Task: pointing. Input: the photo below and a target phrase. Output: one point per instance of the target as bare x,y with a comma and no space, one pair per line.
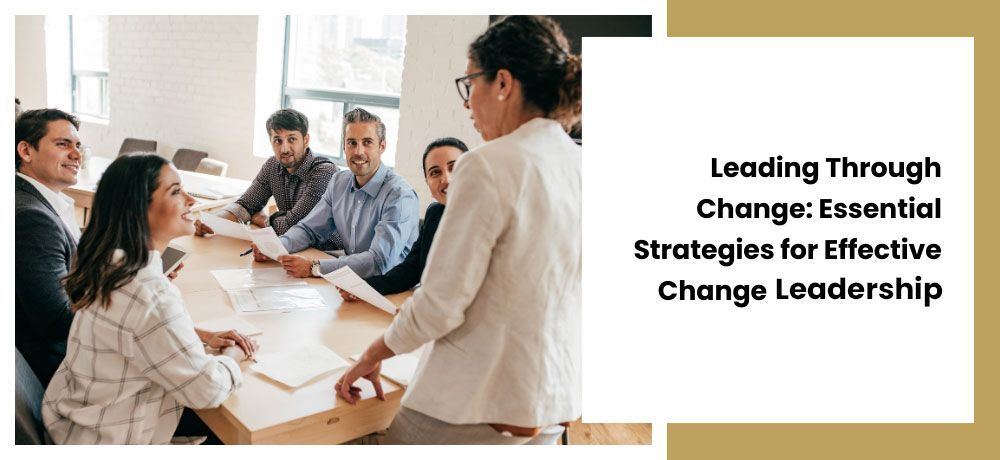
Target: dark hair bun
536,52
570,93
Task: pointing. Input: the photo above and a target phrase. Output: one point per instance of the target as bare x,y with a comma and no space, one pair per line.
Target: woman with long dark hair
501,300
133,358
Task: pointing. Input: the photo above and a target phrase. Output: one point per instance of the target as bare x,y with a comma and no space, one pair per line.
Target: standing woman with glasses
133,359
501,301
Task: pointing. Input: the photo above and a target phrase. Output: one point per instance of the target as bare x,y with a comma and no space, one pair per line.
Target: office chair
28,392
187,159
132,145
213,167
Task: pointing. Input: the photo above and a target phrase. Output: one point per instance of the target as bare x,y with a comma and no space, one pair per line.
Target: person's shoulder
434,209
24,201
538,135
270,164
25,196
479,161
323,169
142,304
342,175
397,182
153,289
30,210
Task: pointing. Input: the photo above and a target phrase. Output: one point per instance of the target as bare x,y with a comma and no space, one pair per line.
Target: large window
336,63
89,65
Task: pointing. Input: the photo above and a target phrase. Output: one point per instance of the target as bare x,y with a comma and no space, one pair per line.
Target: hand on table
173,274
201,229
231,338
347,295
237,353
367,369
296,266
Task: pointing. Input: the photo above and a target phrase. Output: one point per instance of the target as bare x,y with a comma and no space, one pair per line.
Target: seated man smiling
294,176
370,210
439,160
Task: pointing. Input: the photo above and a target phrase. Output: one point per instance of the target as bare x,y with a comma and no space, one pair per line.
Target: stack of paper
346,279
276,298
242,278
265,289
293,368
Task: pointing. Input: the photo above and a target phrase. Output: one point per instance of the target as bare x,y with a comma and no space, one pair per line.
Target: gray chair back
28,392
187,159
131,145
213,167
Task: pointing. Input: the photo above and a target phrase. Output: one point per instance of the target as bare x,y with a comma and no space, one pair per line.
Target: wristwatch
315,269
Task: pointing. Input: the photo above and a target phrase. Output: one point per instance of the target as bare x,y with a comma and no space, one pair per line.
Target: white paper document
293,368
399,368
346,279
245,278
228,323
260,299
268,243
223,227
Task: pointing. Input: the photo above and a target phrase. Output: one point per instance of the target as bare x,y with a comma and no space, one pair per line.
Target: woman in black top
439,160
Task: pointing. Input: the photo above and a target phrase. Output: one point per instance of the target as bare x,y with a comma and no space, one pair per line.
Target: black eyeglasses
464,84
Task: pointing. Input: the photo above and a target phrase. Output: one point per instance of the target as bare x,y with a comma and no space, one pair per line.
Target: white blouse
130,369
500,296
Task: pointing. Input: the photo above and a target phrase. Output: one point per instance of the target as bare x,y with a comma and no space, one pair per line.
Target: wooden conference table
83,191
263,411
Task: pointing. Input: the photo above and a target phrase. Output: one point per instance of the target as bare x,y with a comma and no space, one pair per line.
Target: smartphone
172,256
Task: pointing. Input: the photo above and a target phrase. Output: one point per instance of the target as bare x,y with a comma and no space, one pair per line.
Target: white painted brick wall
184,81
29,58
189,82
429,104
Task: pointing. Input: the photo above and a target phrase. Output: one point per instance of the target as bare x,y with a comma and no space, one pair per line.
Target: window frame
75,75
348,98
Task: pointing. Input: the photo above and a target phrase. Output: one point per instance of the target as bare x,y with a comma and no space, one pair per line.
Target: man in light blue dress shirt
373,211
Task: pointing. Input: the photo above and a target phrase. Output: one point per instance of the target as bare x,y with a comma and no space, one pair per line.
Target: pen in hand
248,251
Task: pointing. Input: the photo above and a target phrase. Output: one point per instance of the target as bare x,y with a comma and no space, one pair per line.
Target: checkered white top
131,368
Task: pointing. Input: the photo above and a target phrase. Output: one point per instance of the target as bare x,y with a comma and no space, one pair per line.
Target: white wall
270,59
187,82
184,81
195,82
430,107
29,58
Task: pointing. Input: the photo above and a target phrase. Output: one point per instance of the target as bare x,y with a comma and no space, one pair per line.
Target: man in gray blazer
47,160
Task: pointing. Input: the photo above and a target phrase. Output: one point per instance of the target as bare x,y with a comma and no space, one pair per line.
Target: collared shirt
64,205
376,224
131,368
295,193
500,296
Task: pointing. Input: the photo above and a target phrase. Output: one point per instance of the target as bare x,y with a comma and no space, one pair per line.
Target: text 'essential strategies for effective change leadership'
731,211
